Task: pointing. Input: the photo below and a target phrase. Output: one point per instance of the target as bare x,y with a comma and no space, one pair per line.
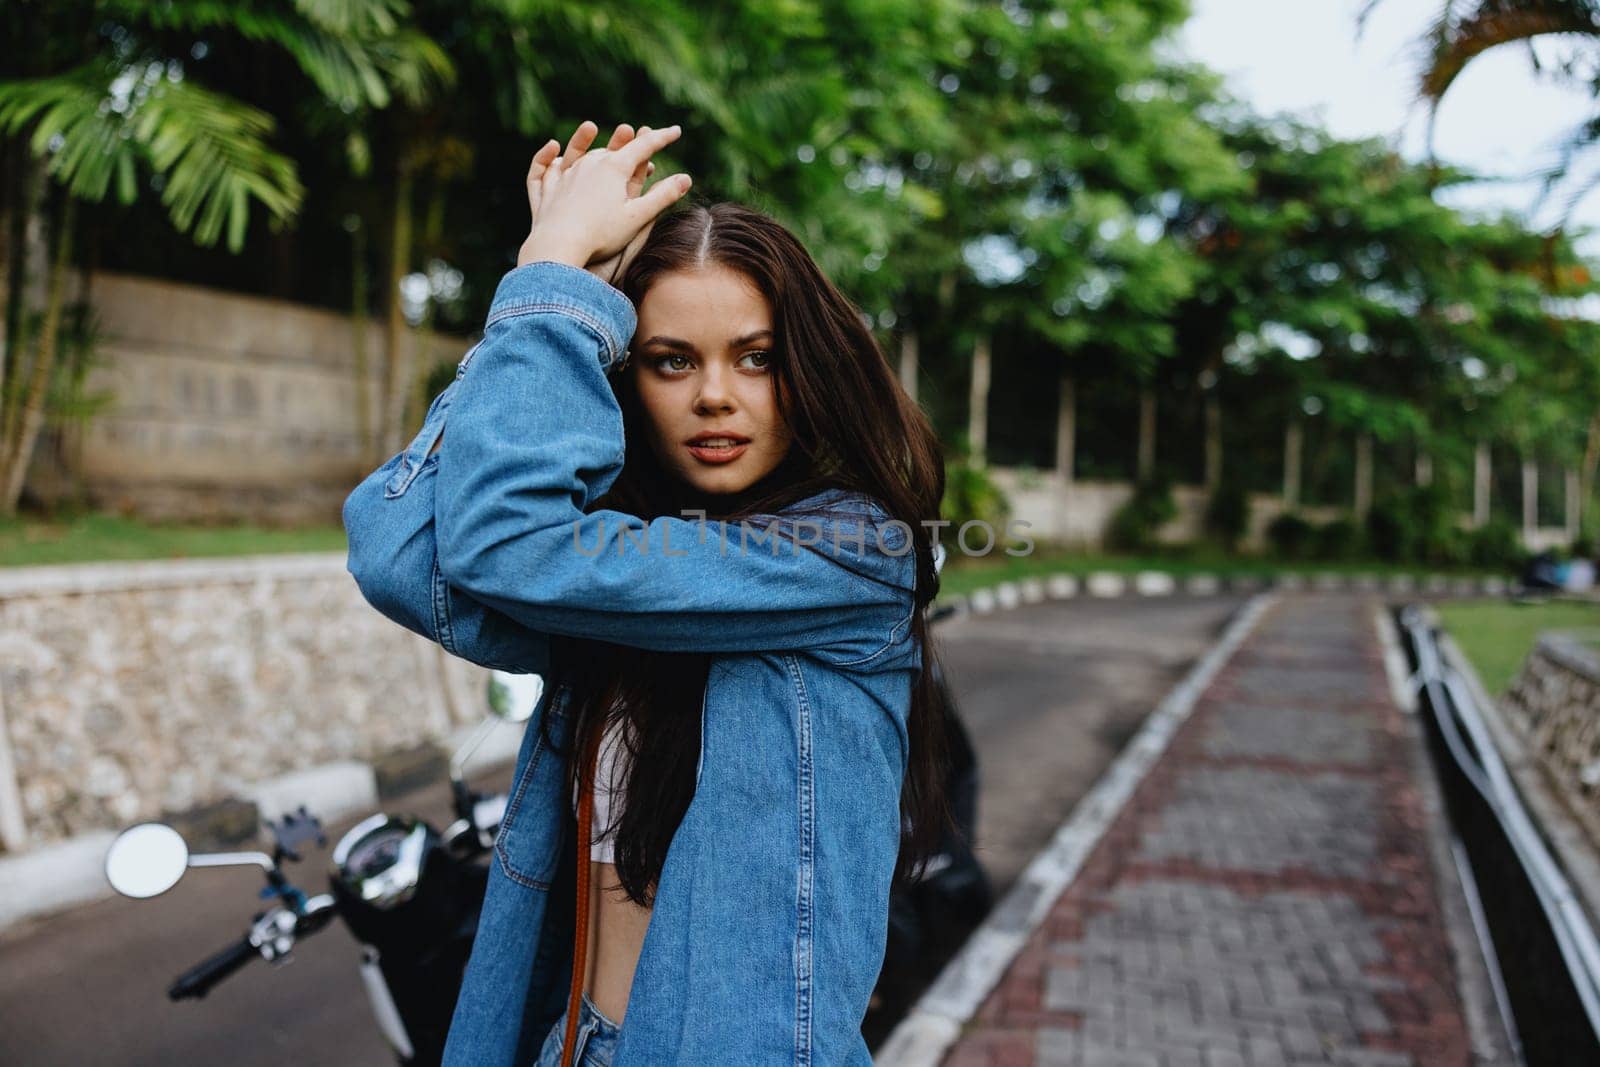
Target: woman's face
700,361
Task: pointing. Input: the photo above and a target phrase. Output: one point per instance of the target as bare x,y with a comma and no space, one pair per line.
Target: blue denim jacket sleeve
388,521
535,434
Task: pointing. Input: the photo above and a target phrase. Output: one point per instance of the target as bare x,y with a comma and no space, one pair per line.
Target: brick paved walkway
1265,899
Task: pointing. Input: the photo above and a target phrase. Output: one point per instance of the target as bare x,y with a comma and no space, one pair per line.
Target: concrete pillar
1363,495
908,363
1424,469
1066,426
1574,502
1293,446
1213,440
1480,484
1530,499
1147,433
978,402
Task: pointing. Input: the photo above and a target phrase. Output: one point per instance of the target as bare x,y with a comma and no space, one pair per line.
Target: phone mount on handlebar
293,830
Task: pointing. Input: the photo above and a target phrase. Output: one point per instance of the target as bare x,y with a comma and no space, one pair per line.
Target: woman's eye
666,362
762,356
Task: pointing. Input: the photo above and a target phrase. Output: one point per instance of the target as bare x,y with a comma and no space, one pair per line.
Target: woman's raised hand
590,209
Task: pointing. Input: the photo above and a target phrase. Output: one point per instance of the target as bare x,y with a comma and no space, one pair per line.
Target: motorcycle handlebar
198,980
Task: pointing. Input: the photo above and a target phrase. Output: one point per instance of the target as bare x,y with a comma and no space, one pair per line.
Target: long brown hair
854,428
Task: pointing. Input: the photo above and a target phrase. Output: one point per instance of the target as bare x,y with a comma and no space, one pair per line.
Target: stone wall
1555,703
127,690
223,406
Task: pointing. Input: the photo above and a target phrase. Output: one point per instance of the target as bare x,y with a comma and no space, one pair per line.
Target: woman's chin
719,483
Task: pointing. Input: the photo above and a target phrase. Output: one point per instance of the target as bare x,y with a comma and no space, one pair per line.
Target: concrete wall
223,406
1078,513
1555,704
127,690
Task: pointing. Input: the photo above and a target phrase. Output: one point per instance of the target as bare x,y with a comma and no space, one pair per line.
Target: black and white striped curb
1157,583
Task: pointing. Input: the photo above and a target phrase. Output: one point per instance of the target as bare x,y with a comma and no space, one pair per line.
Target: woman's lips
708,454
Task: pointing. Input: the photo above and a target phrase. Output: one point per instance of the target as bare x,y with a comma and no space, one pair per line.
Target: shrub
971,494
1416,524
1133,528
1290,535
1337,539
1497,543
1228,514
1390,532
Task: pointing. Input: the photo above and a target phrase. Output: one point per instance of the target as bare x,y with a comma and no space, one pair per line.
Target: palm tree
1464,31
126,120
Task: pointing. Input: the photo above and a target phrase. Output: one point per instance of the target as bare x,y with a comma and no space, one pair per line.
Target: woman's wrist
534,250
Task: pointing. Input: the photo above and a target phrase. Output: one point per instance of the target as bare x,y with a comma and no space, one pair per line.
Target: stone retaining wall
128,690
1555,703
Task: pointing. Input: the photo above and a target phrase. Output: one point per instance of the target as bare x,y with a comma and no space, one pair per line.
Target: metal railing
1541,939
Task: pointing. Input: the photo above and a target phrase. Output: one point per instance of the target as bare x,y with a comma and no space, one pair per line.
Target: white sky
1303,56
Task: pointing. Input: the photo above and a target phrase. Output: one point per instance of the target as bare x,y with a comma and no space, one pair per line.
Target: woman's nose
714,394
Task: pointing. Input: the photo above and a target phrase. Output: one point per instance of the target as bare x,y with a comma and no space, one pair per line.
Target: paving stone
1241,911
1308,734
1322,823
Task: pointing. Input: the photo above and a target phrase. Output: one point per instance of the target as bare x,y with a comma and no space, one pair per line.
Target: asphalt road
1049,692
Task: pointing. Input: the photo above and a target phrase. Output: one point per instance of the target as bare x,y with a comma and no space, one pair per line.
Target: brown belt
580,940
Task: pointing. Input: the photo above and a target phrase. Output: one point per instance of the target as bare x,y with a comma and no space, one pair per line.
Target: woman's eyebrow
737,342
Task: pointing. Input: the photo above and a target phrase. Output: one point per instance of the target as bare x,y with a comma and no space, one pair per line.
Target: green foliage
1290,535
1136,523
971,494
1416,524
1498,544
1045,168
110,123
1337,539
1228,514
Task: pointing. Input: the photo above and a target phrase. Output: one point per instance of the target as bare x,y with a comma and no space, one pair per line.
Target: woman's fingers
662,195
620,136
536,169
542,158
582,138
646,144
641,172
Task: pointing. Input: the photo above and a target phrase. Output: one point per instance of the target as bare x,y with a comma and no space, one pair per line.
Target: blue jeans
595,1044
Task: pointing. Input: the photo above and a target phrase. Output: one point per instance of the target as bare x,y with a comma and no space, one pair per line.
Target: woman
758,674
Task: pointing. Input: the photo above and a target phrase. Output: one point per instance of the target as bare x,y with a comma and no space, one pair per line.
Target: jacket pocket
417,453
534,825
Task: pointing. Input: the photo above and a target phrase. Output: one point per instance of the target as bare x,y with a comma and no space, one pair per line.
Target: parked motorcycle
931,913
409,893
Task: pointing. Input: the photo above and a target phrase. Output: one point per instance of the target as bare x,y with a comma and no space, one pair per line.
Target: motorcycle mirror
512,697
146,860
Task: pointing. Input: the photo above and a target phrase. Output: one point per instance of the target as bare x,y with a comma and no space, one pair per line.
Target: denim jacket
770,915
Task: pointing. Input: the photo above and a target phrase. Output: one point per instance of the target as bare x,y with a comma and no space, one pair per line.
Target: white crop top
610,777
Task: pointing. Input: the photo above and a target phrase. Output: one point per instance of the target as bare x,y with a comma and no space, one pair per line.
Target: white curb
1105,584
1062,586
1154,583
53,877
329,790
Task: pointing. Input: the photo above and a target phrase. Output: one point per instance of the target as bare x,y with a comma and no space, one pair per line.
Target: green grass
1497,636
31,541
962,574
